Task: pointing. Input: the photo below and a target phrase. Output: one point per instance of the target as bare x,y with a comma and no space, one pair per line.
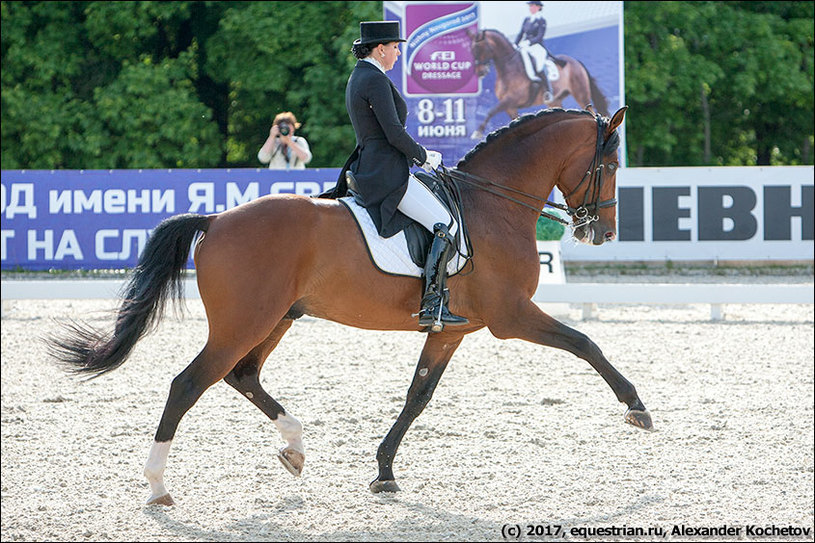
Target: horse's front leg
503,105
437,351
527,321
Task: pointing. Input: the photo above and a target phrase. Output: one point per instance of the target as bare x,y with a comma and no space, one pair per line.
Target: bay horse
513,88
267,262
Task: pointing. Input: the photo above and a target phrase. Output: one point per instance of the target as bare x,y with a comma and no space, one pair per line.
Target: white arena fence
586,294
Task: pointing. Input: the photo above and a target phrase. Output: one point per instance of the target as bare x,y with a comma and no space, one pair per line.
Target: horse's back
258,234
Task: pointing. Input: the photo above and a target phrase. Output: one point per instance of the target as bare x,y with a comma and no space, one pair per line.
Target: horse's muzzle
590,235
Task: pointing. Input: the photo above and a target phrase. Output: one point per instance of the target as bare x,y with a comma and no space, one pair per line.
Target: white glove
433,161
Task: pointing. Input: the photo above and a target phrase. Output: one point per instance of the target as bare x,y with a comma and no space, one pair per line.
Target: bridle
479,62
581,215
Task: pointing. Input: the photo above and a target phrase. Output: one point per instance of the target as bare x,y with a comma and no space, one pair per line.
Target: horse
513,88
265,263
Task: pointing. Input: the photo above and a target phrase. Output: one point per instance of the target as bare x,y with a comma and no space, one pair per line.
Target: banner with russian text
100,219
461,57
92,219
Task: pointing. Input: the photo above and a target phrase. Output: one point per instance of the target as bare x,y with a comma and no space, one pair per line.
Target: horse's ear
616,120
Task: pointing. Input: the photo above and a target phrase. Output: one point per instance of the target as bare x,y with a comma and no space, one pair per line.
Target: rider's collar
376,63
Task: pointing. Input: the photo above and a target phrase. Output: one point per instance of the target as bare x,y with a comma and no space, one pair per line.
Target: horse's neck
528,158
503,48
529,182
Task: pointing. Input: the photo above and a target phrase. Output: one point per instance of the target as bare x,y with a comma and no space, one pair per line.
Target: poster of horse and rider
468,68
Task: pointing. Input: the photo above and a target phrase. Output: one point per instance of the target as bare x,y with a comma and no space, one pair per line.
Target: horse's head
482,51
591,194
576,151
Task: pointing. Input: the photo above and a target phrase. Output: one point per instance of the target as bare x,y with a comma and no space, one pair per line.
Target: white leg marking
154,468
291,430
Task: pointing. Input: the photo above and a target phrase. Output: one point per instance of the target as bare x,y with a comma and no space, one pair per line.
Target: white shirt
289,160
376,63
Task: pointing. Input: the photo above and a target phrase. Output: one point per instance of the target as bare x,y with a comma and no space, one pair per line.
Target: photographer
283,150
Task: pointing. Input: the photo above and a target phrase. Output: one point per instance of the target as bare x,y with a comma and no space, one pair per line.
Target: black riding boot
547,90
434,312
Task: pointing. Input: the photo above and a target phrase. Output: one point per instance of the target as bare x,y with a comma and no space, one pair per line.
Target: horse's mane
552,115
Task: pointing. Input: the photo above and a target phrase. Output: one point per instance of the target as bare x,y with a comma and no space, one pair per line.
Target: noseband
583,214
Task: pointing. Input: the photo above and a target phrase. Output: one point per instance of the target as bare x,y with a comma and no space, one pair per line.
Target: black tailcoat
532,29
385,151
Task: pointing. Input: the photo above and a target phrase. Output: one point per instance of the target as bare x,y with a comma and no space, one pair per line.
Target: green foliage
719,83
548,230
91,84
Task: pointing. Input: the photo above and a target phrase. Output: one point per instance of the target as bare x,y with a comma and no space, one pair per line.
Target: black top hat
378,32
540,4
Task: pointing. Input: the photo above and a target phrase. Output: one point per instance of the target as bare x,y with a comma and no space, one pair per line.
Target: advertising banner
709,214
100,219
461,58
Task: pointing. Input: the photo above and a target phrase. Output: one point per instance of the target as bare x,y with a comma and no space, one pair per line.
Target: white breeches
534,57
421,205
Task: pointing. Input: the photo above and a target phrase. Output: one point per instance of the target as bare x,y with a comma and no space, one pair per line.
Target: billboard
463,75
101,219
738,213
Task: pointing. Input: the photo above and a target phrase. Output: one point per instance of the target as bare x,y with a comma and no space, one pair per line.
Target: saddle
417,237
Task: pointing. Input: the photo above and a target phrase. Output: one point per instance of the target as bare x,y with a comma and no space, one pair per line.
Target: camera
284,129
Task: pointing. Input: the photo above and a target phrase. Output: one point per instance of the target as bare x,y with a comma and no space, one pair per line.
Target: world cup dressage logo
437,54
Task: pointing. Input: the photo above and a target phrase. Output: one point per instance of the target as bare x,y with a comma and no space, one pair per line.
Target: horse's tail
598,99
156,279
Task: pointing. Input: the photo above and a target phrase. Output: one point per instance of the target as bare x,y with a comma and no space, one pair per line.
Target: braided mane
554,114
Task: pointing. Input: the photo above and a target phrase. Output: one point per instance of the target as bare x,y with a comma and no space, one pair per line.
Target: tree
282,56
172,84
196,84
706,93
102,85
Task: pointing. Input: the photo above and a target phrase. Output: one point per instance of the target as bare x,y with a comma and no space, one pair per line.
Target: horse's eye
612,166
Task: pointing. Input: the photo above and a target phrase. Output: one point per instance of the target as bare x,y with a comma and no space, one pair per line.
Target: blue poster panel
101,219
467,68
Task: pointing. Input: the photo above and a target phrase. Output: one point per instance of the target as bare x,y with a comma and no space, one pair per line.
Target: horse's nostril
610,236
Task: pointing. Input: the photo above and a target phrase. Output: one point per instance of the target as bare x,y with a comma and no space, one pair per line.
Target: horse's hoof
640,418
166,499
384,486
292,460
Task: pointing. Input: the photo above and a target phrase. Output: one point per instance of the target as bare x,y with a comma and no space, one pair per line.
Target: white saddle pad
390,255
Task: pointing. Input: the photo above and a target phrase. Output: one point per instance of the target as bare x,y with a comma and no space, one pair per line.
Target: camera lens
284,129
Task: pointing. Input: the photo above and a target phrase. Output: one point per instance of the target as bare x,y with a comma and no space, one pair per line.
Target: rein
582,214
478,62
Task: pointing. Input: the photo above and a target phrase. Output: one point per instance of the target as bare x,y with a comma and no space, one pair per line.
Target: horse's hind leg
209,367
527,321
245,378
437,351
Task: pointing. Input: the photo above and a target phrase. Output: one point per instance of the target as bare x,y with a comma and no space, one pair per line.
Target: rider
381,164
530,44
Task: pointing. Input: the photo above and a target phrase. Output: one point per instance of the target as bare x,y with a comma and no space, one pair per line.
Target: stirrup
434,313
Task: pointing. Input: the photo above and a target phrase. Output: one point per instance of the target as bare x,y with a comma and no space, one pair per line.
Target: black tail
598,99
156,279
